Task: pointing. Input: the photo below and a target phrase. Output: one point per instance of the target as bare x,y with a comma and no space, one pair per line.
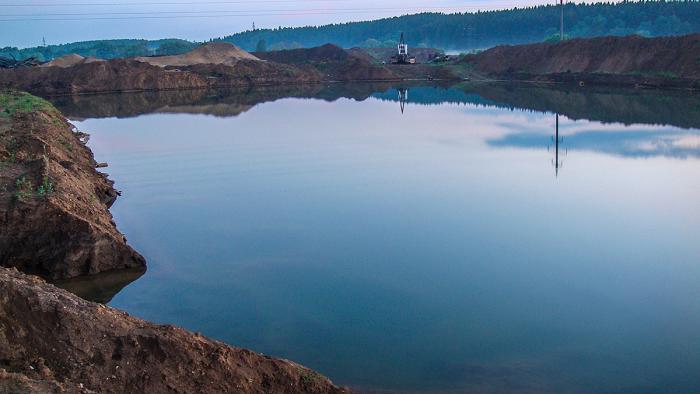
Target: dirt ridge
54,204
632,60
53,341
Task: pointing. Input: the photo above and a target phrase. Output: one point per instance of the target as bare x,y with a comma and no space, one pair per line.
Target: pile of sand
212,53
71,60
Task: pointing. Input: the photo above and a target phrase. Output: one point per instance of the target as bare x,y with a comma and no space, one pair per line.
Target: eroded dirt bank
631,60
54,204
51,340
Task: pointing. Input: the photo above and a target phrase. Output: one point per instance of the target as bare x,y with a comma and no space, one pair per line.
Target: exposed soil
211,53
54,204
53,341
334,63
71,60
328,53
211,66
654,62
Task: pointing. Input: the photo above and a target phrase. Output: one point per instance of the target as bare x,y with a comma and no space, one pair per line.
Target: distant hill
461,31
464,31
103,49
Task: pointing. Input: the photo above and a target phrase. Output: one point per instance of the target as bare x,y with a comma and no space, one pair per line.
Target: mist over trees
488,28
461,31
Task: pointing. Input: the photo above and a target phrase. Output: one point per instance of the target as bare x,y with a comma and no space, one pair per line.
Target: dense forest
460,31
476,30
103,49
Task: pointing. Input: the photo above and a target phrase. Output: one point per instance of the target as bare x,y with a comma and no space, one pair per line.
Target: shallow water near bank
420,239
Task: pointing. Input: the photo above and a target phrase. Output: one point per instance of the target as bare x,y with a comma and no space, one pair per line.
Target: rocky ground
54,204
54,341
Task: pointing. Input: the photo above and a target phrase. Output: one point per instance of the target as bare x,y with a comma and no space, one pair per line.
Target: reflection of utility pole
557,162
403,98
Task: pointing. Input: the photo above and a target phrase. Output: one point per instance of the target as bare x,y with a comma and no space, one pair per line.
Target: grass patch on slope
12,103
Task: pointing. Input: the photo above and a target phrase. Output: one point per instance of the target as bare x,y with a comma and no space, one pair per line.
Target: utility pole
43,41
561,33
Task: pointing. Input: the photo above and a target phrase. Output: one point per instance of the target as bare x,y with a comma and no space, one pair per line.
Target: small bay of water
428,239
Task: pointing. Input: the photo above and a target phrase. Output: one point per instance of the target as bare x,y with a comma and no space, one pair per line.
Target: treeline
460,31
464,31
103,49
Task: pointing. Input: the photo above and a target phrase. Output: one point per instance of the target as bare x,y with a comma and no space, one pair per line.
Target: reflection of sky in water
630,141
419,251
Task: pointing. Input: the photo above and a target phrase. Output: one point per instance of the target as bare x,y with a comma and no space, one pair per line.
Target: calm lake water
439,249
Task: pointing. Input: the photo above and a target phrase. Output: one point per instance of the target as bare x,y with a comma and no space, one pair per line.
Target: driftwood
6,62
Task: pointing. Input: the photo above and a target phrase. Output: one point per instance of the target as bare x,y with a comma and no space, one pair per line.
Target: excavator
403,57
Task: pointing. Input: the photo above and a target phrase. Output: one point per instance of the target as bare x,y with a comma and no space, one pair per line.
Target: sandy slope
212,53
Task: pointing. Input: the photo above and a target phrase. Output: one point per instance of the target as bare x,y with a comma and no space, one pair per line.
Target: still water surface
444,248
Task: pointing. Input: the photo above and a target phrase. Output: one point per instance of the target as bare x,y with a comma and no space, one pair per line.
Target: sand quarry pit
212,53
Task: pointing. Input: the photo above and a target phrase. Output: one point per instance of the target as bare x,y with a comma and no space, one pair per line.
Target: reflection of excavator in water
403,98
403,57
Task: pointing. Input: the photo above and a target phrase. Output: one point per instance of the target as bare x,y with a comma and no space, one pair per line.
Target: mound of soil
71,60
123,75
211,53
54,204
665,57
51,340
334,63
328,53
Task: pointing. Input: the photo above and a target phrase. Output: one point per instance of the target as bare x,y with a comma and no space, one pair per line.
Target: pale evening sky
24,23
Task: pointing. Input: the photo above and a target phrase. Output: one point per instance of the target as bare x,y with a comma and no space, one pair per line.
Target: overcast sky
24,23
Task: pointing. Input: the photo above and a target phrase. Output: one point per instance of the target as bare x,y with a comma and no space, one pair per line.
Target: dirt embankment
334,63
54,204
51,340
123,75
212,66
662,61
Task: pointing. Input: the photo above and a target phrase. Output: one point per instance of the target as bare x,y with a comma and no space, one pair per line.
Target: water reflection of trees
680,109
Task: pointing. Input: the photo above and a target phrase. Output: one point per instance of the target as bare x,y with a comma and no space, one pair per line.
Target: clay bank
55,222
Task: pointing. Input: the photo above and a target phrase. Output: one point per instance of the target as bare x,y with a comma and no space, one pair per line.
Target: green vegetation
12,103
25,189
66,144
310,377
45,188
464,31
262,46
103,49
666,74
